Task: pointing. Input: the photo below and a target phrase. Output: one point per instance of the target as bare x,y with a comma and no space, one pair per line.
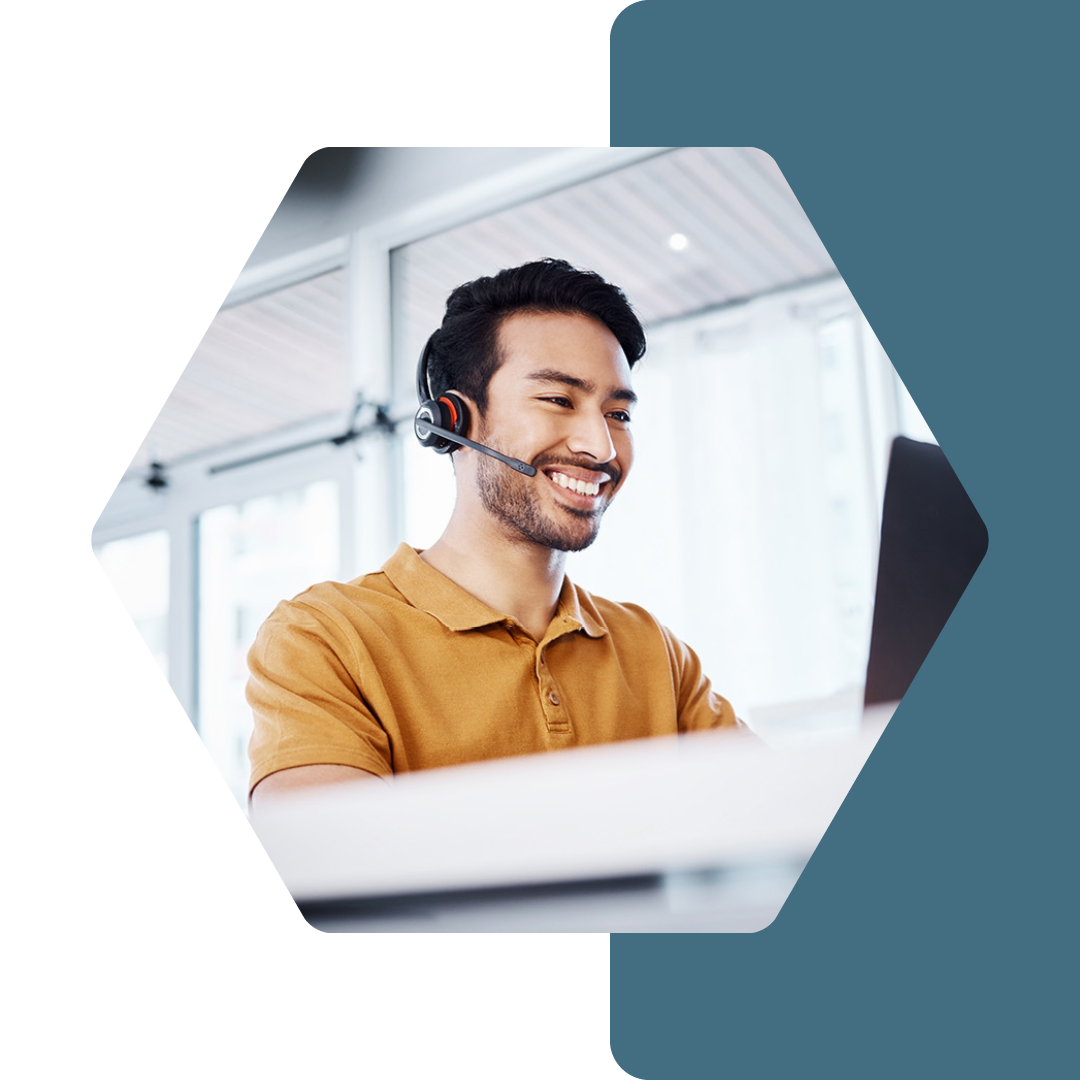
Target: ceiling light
678,242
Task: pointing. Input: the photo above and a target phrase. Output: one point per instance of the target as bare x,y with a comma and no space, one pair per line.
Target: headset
441,423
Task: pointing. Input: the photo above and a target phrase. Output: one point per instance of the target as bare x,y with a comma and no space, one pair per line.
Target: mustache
613,472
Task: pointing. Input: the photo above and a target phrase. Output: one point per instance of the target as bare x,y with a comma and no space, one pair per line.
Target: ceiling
282,360
263,366
745,234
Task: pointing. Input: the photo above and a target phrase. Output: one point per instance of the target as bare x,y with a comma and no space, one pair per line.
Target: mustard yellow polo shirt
404,670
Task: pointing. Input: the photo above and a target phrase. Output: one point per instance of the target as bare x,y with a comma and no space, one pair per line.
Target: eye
621,415
562,402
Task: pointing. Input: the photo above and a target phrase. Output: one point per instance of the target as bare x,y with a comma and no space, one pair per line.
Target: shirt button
553,698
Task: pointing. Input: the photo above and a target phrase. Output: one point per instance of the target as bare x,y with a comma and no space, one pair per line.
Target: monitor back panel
932,541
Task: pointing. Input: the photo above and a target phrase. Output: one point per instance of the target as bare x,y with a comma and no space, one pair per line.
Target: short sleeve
308,707
699,706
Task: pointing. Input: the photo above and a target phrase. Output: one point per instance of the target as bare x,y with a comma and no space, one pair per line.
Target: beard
516,502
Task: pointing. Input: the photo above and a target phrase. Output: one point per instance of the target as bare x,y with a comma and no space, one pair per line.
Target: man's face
561,401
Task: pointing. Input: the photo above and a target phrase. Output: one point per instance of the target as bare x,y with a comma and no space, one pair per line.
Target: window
750,523
251,556
242,525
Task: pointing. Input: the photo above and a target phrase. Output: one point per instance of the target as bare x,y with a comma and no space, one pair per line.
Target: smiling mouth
589,489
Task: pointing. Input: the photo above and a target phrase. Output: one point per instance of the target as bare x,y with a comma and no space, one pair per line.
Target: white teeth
582,487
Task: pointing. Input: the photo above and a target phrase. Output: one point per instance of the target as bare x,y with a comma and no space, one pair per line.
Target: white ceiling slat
713,196
683,215
659,282
269,364
655,226
675,281
760,225
609,245
249,350
762,182
713,235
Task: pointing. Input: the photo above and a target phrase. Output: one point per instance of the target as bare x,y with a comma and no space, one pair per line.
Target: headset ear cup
449,413
458,414
432,413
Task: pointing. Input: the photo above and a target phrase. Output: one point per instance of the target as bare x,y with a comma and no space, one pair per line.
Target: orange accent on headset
453,412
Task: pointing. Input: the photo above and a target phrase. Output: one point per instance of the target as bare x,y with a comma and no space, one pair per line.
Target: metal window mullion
375,496
181,522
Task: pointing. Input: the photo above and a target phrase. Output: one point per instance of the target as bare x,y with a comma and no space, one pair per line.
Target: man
480,647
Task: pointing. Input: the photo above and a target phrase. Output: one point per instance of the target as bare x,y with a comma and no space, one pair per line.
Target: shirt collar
577,611
428,590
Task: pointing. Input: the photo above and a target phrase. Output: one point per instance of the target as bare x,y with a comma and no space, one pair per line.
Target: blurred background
285,454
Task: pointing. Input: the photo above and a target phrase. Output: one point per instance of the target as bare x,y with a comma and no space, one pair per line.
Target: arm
700,707
312,723
304,777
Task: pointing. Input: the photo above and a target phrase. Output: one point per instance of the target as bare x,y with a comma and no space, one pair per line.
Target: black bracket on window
156,479
382,423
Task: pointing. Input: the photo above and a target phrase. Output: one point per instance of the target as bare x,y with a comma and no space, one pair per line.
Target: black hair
464,350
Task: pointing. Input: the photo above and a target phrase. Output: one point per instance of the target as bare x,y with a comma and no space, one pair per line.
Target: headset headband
423,387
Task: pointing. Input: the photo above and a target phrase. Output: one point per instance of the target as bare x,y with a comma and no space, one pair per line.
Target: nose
591,436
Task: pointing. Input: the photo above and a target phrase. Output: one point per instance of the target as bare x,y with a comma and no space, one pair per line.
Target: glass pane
252,555
138,569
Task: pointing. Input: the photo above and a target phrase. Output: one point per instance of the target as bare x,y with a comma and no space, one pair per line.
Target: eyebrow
550,375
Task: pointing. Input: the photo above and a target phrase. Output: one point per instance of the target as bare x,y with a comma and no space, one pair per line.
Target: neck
518,578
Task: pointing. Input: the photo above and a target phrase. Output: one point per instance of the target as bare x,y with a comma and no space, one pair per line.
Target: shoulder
370,590
621,614
631,626
333,609
617,617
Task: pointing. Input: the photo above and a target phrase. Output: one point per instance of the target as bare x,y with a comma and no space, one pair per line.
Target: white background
145,932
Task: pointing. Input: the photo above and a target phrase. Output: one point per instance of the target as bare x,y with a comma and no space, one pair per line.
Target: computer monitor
932,541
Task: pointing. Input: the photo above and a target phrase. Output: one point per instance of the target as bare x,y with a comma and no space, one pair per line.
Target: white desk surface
648,807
